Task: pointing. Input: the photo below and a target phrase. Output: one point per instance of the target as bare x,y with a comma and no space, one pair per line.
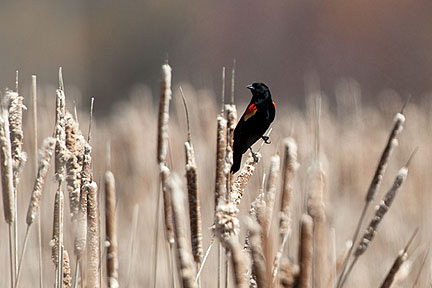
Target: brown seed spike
111,230
46,154
6,168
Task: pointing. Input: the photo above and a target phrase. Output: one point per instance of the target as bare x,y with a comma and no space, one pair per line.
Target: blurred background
108,47
364,57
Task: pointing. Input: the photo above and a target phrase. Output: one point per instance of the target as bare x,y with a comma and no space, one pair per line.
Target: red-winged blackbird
258,116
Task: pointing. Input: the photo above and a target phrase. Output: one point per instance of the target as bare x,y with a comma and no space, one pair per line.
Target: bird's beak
250,87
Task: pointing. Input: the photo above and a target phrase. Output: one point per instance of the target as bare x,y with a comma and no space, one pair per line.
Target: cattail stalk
57,238
220,188
162,149
80,241
316,209
240,182
46,154
289,168
380,212
16,106
7,184
392,141
271,190
258,261
186,267
194,204
397,264
288,173
165,98
93,261
193,195
306,252
111,230
74,142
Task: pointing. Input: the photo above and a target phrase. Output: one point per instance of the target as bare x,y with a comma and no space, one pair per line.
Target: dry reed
186,269
111,230
271,190
93,245
306,252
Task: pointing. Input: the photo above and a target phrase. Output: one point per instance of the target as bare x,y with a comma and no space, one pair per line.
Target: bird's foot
266,139
254,155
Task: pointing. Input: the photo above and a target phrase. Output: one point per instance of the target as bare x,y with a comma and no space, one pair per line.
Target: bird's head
259,90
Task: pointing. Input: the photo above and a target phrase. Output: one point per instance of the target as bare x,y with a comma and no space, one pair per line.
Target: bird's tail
236,163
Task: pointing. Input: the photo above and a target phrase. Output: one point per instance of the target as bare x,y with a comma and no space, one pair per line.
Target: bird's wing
250,111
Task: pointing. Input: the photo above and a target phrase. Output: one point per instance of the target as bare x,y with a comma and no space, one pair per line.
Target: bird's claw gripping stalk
266,139
254,155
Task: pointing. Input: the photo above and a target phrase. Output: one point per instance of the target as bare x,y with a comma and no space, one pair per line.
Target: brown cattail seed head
6,167
45,155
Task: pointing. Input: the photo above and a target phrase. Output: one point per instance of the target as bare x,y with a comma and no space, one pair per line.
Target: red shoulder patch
250,111
274,104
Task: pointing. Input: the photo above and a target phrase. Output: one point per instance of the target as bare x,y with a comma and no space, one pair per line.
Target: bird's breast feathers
250,111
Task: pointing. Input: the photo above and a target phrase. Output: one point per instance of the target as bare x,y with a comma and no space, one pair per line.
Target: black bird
254,122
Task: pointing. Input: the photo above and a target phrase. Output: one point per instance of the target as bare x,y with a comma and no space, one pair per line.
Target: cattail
74,142
227,224
165,98
67,278
57,238
398,122
16,107
165,173
46,153
288,173
93,264
7,184
392,141
258,262
239,261
396,273
186,266
381,211
194,204
271,189
316,209
6,168
288,274
111,230
80,241
240,182
60,149
305,252
220,188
